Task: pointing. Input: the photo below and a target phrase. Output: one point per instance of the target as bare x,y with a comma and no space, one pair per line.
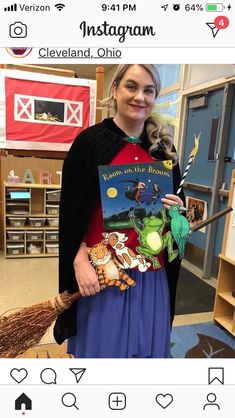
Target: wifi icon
59,6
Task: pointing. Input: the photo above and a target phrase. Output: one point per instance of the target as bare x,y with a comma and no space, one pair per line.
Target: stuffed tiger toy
107,268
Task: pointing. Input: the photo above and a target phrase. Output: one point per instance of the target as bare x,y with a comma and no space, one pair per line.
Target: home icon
23,400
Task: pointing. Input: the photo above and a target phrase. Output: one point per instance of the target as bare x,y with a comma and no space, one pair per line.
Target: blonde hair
159,137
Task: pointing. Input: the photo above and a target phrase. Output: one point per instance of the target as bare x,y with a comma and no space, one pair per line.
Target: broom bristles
23,329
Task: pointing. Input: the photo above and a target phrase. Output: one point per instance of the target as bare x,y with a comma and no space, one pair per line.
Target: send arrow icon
78,373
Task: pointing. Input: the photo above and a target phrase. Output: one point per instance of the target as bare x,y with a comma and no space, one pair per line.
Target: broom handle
211,219
75,296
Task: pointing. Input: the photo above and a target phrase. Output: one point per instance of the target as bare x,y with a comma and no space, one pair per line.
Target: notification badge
221,22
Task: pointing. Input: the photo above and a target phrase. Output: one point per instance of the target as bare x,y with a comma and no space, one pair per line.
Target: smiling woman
134,95
113,323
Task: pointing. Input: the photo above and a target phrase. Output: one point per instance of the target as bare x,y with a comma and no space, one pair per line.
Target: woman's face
135,95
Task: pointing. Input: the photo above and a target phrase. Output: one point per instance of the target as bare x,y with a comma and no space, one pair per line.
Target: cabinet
224,309
31,220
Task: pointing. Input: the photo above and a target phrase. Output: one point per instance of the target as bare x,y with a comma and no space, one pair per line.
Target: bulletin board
228,248
44,112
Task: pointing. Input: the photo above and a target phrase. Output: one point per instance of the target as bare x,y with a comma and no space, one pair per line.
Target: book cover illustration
133,190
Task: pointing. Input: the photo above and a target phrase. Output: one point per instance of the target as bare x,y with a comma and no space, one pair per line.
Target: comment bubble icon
48,376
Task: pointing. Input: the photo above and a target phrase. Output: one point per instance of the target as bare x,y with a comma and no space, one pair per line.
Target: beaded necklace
132,139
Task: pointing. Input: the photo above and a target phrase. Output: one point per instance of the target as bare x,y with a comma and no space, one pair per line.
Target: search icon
69,399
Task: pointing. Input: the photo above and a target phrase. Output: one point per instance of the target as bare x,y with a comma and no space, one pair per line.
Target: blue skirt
133,323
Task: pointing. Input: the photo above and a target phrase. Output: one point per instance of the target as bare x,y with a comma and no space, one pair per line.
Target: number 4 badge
220,22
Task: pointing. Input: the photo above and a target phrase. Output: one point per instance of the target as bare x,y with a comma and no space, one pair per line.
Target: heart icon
164,400
19,374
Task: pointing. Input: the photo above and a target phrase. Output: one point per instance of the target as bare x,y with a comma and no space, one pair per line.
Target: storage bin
52,235
34,235
53,195
14,249
52,209
18,194
19,221
37,222
34,248
52,248
15,235
53,221
17,208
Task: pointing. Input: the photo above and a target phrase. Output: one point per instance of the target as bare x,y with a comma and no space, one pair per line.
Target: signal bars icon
12,8
59,6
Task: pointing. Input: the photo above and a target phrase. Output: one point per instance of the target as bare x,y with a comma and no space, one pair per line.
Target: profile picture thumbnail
19,52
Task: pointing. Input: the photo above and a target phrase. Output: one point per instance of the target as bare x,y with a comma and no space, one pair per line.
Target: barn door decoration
39,111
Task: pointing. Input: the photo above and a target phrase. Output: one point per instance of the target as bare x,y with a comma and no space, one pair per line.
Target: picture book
133,190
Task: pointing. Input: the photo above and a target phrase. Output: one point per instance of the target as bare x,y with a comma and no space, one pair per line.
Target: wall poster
197,211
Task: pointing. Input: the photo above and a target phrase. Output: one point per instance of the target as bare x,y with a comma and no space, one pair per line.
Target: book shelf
31,219
224,309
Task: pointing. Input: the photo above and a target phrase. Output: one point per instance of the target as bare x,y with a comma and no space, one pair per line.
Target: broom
23,329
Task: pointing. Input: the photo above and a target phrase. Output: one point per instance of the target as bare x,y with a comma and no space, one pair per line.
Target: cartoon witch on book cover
133,190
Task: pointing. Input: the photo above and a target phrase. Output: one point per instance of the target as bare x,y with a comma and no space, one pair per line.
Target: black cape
95,146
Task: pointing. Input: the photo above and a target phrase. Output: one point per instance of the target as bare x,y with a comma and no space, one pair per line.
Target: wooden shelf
31,255
19,215
12,241
226,322
229,260
37,204
34,240
31,228
31,215
228,297
224,310
32,186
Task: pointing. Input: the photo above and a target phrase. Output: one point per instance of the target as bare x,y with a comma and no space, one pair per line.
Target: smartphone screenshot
117,222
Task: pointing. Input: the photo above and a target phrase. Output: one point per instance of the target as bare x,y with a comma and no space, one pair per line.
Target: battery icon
214,7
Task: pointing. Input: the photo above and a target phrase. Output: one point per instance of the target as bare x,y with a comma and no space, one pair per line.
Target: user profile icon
19,52
211,401
18,30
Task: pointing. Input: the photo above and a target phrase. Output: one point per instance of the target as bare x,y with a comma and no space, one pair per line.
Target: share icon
78,373
220,22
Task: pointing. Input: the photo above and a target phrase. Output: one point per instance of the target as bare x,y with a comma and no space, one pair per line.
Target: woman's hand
85,274
171,199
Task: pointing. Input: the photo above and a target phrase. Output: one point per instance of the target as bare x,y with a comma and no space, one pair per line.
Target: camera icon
18,30
176,7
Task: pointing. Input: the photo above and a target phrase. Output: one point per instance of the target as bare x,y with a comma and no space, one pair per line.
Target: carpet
204,340
193,295
51,350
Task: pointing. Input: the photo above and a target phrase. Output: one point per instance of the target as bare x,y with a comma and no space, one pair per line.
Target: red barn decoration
40,111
